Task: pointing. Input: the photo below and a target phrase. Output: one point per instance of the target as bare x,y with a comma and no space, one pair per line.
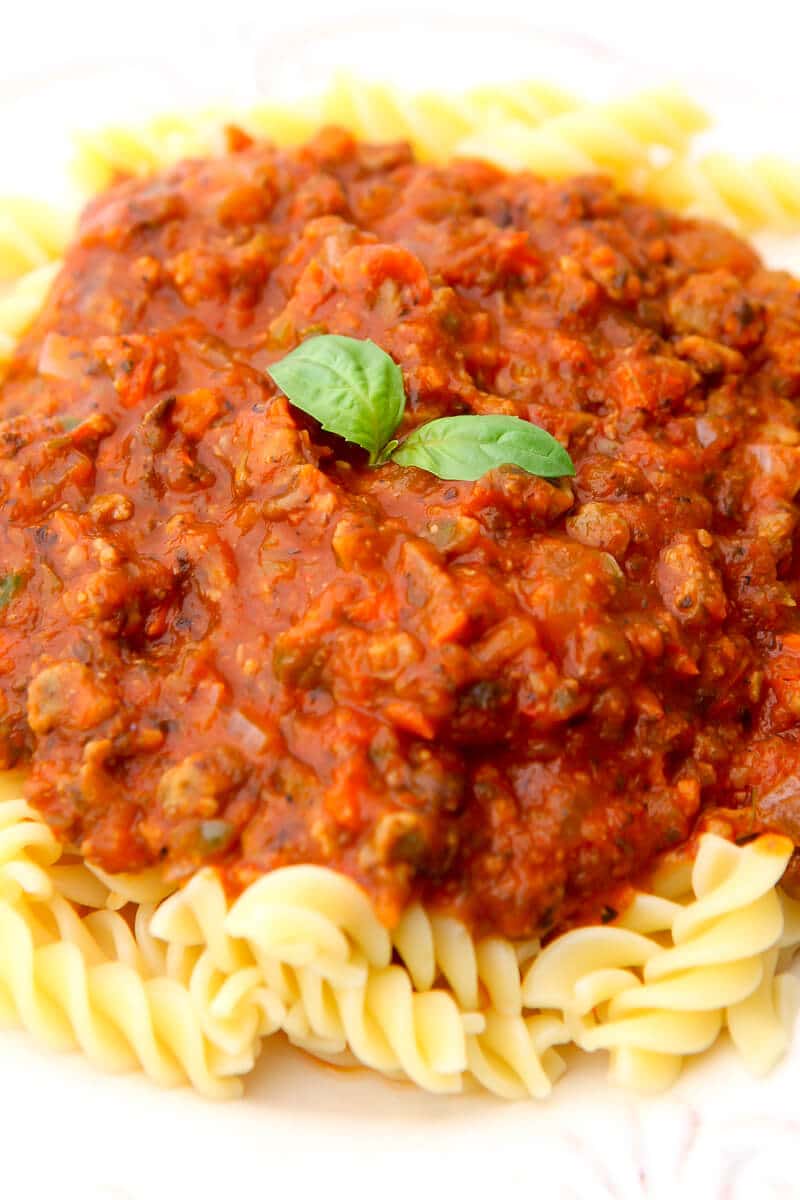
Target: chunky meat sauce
225,639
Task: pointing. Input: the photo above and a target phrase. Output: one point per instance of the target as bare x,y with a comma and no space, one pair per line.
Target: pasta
19,305
432,123
328,959
186,985
102,983
615,138
668,977
193,986
764,194
32,234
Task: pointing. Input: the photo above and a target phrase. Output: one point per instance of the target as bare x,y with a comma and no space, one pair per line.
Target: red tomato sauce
225,639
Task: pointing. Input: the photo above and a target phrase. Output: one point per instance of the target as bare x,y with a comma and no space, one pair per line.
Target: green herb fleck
10,585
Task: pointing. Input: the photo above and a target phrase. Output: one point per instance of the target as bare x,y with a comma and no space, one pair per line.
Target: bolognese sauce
225,639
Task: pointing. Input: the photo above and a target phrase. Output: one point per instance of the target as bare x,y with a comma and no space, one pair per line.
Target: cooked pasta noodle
616,138
115,150
328,959
514,1056
95,983
705,961
302,951
763,194
19,304
32,234
435,947
185,984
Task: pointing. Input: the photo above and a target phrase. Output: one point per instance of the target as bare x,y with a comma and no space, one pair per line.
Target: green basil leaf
9,586
352,387
467,447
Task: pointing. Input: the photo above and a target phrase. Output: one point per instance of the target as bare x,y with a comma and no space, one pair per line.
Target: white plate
68,1132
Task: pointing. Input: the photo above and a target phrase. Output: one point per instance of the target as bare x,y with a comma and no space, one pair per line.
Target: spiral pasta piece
232,1001
69,997
104,985
644,994
20,304
386,1024
615,138
513,1056
434,947
308,915
323,961
32,234
27,849
762,194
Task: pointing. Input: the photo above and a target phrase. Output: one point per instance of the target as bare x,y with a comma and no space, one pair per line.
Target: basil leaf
467,447
9,586
352,387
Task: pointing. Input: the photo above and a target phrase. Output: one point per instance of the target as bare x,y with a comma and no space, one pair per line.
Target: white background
68,1132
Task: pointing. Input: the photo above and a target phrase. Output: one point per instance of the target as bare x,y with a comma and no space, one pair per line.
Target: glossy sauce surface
226,640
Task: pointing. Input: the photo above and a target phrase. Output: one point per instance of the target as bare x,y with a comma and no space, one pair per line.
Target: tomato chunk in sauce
225,639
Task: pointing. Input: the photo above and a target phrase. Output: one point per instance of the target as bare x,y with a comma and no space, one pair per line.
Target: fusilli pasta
188,987
763,194
616,138
32,234
668,977
101,985
19,304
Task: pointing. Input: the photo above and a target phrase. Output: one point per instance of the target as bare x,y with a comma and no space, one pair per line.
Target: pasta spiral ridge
27,849
385,1023
488,971
20,303
322,953
427,1003
32,234
762,194
616,138
663,981
98,984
